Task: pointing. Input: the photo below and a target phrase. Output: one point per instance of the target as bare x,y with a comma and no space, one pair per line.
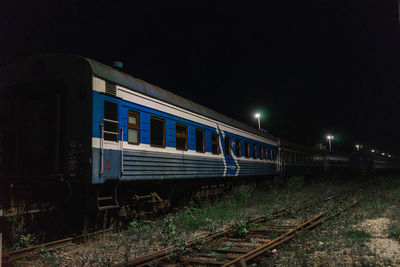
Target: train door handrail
101,149
122,150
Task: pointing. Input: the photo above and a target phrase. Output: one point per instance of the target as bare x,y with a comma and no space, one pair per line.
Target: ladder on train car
107,198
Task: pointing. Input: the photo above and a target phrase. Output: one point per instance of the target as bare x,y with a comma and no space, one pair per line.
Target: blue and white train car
77,120
141,131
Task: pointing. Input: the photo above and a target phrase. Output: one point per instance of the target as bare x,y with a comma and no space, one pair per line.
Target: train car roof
118,77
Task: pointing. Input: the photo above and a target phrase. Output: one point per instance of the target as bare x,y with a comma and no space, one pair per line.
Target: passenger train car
75,120
75,129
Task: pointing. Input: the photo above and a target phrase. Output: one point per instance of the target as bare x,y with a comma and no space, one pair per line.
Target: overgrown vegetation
358,235
344,240
20,236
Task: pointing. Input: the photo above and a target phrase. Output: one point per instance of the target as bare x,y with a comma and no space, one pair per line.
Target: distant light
389,156
383,154
358,147
257,115
373,150
330,137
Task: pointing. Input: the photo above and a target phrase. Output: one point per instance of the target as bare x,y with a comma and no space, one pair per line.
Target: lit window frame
134,126
238,147
179,135
216,143
247,150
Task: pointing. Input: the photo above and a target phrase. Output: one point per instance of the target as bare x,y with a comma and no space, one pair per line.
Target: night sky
311,69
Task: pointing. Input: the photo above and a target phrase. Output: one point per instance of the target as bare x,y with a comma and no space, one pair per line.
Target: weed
168,231
242,193
395,234
192,218
20,236
240,228
360,236
134,226
381,205
48,259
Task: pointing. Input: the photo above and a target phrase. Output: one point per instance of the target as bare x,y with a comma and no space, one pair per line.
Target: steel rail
156,256
308,225
282,238
13,255
159,255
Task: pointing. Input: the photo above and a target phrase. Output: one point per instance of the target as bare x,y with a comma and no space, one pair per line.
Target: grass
358,235
244,202
395,234
337,241
341,240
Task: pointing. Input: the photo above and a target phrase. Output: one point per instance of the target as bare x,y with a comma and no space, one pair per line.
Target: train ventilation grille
111,88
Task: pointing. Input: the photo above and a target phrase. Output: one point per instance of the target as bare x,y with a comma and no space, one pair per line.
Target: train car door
110,164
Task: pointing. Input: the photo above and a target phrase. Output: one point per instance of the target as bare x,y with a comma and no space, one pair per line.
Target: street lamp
358,147
258,115
330,137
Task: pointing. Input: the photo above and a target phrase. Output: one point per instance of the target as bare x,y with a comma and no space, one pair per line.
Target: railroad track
9,257
225,249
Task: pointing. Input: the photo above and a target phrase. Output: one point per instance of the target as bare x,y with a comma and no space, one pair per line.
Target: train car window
200,140
227,145
133,127
247,150
215,143
261,152
274,154
254,151
157,132
238,148
110,121
181,136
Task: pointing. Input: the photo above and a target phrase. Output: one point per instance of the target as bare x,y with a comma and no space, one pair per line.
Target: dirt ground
368,234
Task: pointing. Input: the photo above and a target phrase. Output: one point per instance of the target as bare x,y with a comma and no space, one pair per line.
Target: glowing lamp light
330,137
258,116
383,154
358,147
373,150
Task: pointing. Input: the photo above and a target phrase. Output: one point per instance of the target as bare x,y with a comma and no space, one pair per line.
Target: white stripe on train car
172,150
220,133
